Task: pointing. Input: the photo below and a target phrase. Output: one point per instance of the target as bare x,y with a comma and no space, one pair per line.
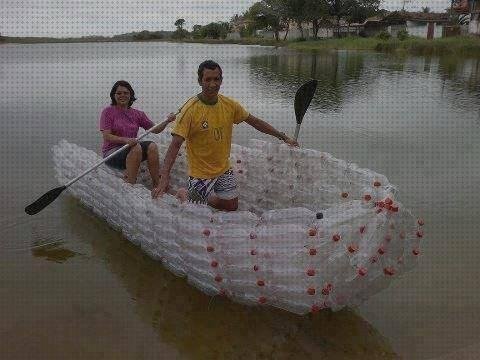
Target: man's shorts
224,187
119,161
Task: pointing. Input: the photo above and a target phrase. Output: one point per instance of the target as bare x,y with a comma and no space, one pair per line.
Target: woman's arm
108,136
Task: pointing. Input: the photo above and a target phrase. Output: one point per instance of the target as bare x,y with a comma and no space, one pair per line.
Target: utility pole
405,2
451,11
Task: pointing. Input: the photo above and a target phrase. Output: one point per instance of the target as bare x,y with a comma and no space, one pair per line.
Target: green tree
363,9
197,31
315,11
180,33
147,35
179,24
296,11
215,30
301,11
352,10
266,14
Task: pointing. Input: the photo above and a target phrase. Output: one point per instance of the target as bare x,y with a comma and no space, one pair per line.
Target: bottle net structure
312,231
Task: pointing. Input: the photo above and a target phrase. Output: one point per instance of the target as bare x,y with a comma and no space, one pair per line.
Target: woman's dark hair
124,84
208,64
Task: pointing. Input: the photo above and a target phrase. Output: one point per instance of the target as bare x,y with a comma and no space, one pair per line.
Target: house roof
402,16
421,16
370,20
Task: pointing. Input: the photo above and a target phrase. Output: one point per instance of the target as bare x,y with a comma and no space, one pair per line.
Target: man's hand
290,141
161,188
170,157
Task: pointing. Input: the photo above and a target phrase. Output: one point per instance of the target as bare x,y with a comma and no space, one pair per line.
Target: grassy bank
44,40
459,45
462,45
242,41
347,43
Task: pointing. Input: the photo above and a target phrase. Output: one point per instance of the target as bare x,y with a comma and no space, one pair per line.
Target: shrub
384,35
180,34
402,35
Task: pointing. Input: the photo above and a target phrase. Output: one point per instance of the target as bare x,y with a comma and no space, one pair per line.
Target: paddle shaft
297,130
110,156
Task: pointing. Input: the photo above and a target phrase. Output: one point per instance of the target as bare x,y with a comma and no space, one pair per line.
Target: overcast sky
67,18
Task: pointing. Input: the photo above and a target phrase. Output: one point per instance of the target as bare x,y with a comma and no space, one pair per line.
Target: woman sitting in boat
119,124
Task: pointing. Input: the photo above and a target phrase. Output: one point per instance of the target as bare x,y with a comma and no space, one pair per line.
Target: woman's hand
131,141
170,117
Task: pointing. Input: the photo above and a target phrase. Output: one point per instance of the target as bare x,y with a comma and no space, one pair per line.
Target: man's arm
266,128
170,158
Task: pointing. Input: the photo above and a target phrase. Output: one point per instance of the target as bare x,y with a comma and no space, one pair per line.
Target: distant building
420,24
233,36
474,25
293,32
469,8
392,23
325,30
238,23
371,26
426,25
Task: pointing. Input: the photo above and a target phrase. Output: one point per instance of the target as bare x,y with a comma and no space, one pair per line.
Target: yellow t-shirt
207,130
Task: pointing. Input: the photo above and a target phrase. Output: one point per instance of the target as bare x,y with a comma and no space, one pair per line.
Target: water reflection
333,70
463,81
53,252
201,327
345,75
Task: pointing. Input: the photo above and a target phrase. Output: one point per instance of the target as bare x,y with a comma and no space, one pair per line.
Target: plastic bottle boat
312,232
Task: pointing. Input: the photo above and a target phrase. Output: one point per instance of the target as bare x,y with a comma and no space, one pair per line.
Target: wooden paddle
303,97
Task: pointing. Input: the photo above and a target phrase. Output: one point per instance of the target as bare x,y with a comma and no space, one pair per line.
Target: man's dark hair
124,84
208,64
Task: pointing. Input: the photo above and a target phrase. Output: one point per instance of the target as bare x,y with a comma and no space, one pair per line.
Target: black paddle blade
303,97
44,200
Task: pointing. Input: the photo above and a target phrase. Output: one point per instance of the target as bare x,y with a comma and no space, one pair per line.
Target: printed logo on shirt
205,125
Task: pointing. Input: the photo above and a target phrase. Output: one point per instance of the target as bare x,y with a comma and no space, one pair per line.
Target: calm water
70,287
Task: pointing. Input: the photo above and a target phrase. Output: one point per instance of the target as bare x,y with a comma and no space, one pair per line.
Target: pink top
122,122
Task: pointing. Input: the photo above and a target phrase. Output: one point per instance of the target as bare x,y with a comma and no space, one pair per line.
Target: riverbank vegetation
459,45
462,45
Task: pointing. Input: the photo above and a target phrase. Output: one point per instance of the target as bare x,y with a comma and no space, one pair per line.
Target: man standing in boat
205,122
